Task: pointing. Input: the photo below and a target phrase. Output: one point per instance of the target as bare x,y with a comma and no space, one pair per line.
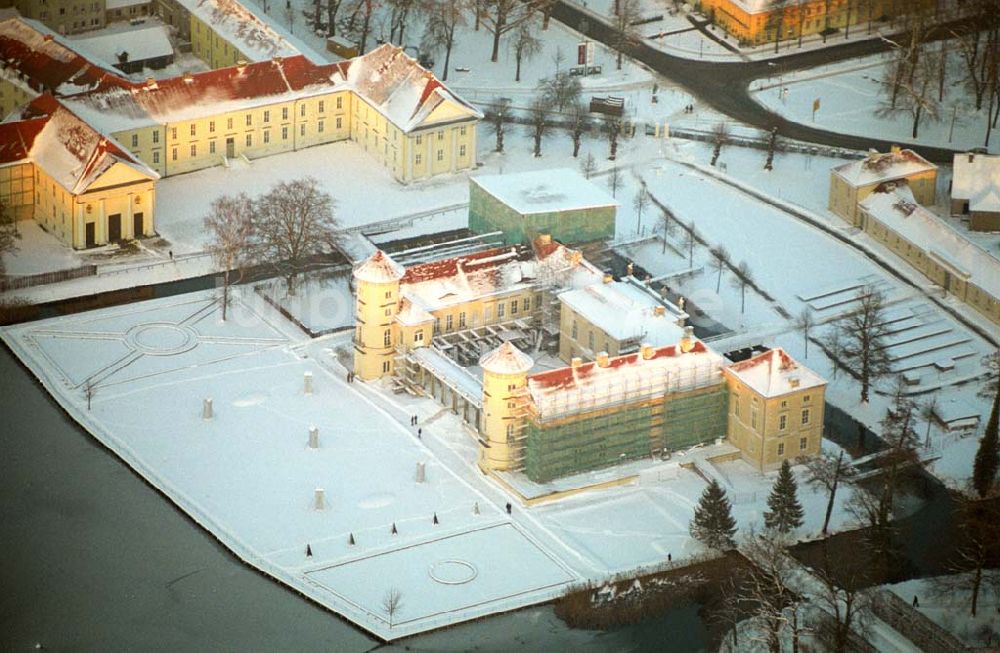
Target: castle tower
376,304
505,373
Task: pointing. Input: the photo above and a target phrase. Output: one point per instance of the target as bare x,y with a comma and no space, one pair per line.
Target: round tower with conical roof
376,283
505,375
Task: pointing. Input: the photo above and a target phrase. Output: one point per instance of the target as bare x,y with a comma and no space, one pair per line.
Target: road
724,85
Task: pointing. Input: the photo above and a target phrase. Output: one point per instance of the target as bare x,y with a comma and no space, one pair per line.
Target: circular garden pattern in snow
161,338
453,572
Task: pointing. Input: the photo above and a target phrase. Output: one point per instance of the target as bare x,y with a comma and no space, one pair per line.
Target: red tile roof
567,377
479,261
16,138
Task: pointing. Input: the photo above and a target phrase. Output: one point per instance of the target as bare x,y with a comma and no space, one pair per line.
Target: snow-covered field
249,476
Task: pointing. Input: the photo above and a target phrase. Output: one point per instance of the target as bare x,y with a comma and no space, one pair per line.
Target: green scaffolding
694,418
628,433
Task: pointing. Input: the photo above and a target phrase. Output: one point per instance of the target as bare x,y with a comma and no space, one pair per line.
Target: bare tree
665,226
805,323
561,90
862,335
525,46
843,601
719,263
8,232
775,22
720,136
766,590
502,16
588,165
89,390
991,363
913,94
612,126
626,13
979,528
230,226
290,17
579,124
332,9
539,117
443,18
744,278
690,240
639,202
399,17
772,144
362,10
829,472
927,413
392,602
315,16
293,222
614,180
978,47
498,115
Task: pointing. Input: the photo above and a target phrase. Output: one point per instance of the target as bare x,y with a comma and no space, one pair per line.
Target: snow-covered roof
72,152
494,271
545,191
411,314
625,311
399,88
976,178
898,210
120,106
379,268
877,168
41,59
633,377
506,359
774,373
17,138
237,24
140,44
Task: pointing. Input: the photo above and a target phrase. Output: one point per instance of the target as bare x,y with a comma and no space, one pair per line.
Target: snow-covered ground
151,365
951,608
849,92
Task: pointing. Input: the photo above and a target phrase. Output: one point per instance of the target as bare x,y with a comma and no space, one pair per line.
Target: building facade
65,16
975,190
852,182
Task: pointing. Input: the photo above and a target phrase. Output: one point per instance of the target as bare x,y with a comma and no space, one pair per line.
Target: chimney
575,362
544,239
793,381
895,149
687,340
659,311
603,359
629,268
47,38
972,157
188,77
576,257
276,60
241,65
873,155
608,278
646,350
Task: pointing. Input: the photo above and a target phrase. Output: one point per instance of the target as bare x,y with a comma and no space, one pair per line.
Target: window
538,301
447,322
322,106
590,340
753,417
339,123
267,136
249,140
440,155
156,136
461,320
267,116
461,130
156,157
510,434
461,150
173,133
805,416
319,126
440,134
302,110
803,444
784,404
385,367
193,129
805,399
418,335
388,312
135,140
388,294
513,307
526,304
284,133
229,123
782,422
573,330
302,129
420,139
173,154
417,159
340,103
194,150
781,448
387,337
211,126
500,310
284,113
211,147
249,119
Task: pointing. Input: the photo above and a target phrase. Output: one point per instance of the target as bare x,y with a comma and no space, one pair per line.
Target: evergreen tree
785,512
984,469
713,523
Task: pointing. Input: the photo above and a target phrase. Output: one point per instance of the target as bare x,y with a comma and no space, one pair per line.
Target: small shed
341,47
559,202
